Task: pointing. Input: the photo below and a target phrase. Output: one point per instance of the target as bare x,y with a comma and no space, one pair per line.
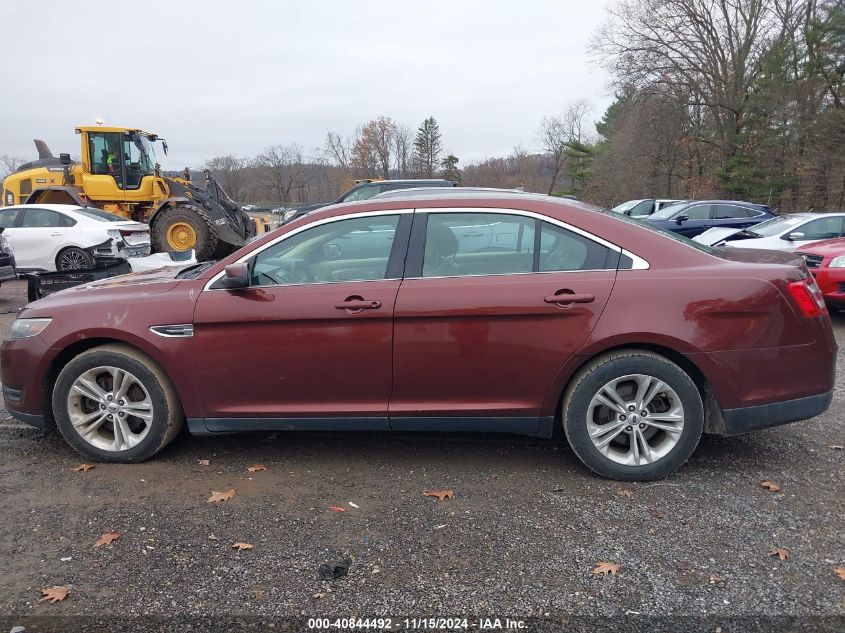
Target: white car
51,237
783,233
643,207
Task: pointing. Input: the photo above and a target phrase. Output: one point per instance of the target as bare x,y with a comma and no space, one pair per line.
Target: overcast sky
234,76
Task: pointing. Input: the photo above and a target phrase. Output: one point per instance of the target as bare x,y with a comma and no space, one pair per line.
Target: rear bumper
764,416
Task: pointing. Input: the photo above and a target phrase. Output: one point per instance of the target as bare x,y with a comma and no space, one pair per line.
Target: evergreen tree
450,168
427,147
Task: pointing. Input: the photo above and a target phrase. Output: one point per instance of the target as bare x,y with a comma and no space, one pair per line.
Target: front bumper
764,416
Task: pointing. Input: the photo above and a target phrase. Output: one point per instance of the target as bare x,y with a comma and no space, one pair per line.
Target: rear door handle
55,234
358,304
569,297
471,234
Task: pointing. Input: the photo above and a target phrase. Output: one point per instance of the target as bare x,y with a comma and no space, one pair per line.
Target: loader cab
126,156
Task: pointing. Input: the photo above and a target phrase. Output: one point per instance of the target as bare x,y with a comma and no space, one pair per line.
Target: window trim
393,252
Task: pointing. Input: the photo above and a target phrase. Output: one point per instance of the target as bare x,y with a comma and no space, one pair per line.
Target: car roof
403,181
60,208
418,192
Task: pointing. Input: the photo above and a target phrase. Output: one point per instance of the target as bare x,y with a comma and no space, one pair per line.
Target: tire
182,227
73,258
140,438
588,423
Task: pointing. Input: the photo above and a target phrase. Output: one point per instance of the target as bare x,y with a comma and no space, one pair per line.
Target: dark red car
826,260
511,313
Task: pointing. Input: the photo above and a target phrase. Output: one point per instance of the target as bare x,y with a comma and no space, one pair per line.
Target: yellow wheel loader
118,172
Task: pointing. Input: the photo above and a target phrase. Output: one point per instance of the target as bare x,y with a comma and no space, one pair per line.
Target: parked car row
492,311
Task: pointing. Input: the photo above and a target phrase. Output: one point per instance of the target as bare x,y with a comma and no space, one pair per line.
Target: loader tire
183,227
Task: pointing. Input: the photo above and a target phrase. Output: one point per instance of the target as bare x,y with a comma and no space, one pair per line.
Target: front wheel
633,416
114,404
182,228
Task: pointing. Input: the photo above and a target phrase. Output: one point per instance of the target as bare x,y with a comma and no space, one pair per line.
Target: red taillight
807,297
125,233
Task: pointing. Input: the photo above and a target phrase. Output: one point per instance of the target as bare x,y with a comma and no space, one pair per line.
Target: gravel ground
519,539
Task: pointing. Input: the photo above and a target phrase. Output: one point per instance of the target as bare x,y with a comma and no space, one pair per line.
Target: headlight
837,262
24,328
288,215
4,244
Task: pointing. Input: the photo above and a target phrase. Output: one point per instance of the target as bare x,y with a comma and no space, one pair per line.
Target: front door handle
569,297
356,303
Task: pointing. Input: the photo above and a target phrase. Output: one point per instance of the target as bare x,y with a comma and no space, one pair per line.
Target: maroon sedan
512,313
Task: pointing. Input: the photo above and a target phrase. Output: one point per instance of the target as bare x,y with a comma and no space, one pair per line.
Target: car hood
828,248
762,256
715,235
133,285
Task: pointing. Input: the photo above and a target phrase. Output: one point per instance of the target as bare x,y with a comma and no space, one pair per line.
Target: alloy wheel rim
635,420
73,260
110,409
181,236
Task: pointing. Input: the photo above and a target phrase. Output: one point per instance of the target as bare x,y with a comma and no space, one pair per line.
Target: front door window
357,249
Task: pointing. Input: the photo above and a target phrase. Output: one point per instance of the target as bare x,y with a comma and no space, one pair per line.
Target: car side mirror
681,218
795,236
236,276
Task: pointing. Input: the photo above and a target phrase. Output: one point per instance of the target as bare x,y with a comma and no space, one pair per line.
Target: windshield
362,193
710,250
621,208
667,212
146,154
102,216
776,226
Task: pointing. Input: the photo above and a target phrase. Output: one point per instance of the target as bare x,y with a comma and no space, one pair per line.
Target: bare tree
231,172
714,51
402,145
9,164
284,170
558,133
339,150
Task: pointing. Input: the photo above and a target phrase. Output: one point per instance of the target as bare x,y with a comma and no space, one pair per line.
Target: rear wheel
74,259
182,228
633,415
114,404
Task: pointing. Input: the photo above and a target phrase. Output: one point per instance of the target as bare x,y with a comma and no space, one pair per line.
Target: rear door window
563,250
43,218
697,212
730,211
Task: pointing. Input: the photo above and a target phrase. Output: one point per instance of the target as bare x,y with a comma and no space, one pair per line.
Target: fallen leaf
770,486
221,496
242,546
337,508
714,579
836,447
260,594
781,552
82,468
319,595
658,515
203,462
606,568
212,537
257,468
440,494
107,538
54,594
839,571
624,492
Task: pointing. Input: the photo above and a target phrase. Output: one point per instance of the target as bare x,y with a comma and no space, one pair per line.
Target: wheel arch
713,418
168,203
74,349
